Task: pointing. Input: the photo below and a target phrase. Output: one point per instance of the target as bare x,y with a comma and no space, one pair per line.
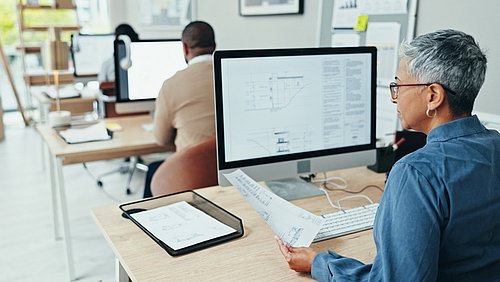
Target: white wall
234,31
126,11
479,19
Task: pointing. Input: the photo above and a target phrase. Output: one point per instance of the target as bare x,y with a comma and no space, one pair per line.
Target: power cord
339,206
342,186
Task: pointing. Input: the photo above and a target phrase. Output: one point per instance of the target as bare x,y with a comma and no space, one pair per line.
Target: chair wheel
129,192
99,183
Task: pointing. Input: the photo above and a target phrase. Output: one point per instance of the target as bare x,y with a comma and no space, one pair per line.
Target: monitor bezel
228,54
121,74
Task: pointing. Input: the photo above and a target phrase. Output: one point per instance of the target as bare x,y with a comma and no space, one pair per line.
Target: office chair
191,168
129,166
107,109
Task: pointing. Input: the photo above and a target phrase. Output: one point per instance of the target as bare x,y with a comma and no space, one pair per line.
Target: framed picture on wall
271,7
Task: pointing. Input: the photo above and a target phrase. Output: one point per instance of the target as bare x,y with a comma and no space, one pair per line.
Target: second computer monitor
151,63
286,112
89,51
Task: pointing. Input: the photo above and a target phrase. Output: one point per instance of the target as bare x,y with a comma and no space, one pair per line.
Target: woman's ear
436,95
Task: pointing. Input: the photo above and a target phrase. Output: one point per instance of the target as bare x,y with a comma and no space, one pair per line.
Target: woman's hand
299,259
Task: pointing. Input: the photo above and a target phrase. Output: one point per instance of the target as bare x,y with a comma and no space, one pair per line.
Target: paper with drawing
295,226
181,225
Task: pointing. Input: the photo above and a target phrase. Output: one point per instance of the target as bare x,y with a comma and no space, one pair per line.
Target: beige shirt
184,113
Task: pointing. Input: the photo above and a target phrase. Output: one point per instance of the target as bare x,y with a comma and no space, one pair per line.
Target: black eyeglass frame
393,87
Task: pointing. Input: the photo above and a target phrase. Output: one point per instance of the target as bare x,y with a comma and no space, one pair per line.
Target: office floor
29,251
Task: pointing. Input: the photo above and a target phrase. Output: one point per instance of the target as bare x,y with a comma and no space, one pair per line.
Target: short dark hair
127,30
199,34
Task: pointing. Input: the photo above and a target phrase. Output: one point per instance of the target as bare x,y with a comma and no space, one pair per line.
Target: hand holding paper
295,226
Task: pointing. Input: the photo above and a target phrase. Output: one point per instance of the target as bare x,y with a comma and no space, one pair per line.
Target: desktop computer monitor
287,112
150,63
89,51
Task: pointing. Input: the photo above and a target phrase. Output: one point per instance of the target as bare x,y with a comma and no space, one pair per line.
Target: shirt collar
200,58
457,128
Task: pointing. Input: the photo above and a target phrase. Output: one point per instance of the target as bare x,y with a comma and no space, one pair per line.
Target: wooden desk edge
60,149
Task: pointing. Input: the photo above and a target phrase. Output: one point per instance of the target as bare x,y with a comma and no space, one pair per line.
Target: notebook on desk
85,133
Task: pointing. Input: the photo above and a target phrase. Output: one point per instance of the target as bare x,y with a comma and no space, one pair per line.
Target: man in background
184,113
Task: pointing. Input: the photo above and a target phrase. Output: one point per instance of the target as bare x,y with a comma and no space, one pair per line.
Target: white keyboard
346,222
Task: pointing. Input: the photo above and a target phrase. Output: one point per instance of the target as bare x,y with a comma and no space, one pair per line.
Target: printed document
295,226
181,225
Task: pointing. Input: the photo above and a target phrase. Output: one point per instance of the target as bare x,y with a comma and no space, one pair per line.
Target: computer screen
89,51
286,112
152,62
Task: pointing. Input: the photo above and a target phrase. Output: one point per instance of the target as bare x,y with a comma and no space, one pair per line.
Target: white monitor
89,51
152,62
288,112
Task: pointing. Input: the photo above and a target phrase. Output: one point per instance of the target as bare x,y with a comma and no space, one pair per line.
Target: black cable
325,184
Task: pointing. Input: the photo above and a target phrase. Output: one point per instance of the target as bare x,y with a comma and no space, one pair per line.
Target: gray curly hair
451,58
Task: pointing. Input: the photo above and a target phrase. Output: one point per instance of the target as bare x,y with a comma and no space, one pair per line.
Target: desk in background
77,106
133,140
254,257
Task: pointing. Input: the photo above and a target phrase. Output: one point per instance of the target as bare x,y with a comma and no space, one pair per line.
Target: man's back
185,107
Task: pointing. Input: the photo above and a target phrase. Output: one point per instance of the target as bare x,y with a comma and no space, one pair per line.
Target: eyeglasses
394,87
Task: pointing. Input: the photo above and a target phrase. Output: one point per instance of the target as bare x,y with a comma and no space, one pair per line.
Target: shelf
41,79
77,106
45,28
45,7
29,49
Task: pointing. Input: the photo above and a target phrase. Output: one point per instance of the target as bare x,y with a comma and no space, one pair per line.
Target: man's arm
164,130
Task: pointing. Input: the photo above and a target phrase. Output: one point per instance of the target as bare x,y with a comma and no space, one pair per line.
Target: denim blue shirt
439,217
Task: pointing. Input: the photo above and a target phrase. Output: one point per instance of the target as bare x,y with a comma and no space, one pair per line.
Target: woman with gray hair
439,216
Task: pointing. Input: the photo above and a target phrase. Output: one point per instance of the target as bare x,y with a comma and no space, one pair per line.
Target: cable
325,181
330,200
338,206
355,192
354,196
338,186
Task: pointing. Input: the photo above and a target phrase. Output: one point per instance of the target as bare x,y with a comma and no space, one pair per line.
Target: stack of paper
94,132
